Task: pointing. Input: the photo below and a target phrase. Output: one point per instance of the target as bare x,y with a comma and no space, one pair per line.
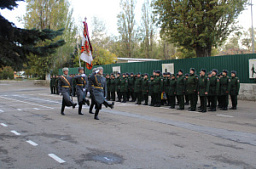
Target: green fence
240,63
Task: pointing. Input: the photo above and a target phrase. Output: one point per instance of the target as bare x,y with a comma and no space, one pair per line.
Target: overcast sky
107,11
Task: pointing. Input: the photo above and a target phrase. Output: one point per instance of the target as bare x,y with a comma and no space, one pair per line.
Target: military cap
158,72
118,73
100,68
112,74
80,68
168,73
177,74
209,72
180,71
145,74
124,74
226,71
233,71
64,69
94,69
193,69
151,76
138,73
186,74
203,70
215,70
164,73
131,73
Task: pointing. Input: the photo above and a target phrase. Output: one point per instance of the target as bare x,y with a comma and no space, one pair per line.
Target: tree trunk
203,52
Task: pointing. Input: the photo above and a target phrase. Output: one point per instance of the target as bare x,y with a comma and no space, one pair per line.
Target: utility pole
252,29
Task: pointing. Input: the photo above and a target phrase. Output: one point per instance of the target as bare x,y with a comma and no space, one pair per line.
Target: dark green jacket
214,86
145,86
203,85
117,80
180,86
224,85
138,85
192,84
157,84
108,83
131,83
112,85
150,90
123,84
166,84
172,89
234,86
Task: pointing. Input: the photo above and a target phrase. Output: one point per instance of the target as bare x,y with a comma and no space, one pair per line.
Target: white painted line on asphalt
3,124
56,158
26,102
19,109
15,132
223,115
31,98
36,108
107,158
1,111
195,112
32,143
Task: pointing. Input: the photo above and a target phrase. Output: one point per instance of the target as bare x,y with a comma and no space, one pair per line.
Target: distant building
130,60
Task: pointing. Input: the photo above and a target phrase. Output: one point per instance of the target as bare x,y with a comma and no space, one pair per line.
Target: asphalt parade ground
33,134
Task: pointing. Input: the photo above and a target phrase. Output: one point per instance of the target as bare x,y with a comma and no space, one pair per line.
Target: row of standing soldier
211,87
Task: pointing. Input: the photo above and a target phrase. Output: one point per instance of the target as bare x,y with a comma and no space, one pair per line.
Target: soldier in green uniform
57,84
186,94
118,87
51,85
218,96
191,89
166,87
234,89
203,90
54,79
150,91
138,88
157,88
123,87
145,88
112,87
108,86
213,90
172,91
209,74
128,90
224,90
131,86
180,89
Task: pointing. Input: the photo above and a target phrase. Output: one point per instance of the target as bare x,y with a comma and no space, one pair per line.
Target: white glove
84,90
60,94
83,75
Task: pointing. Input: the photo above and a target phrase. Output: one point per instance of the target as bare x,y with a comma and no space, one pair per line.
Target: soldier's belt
65,86
80,84
97,87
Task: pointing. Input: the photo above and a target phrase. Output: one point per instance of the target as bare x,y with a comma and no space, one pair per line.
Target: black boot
62,110
96,115
80,109
74,105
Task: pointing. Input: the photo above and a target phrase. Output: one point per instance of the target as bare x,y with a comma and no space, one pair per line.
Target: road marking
56,158
31,98
36,108
15,132
3,124
26,102
32,143
19,109
107,158
1,111
223,115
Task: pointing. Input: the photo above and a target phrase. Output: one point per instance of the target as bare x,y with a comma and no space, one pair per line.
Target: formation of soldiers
166,89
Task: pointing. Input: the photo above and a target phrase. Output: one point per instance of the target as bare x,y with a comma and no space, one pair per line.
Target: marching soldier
234,89
65,88
81,82
224,90
123,87
118,87
203,89
131,87
191,89
138,88
157,88
98,90
180,89
112,87
92,101
213,90
145,88
172,92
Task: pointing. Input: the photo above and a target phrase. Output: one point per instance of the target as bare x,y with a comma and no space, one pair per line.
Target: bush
6,73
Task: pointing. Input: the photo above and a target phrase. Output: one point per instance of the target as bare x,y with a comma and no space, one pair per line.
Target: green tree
198,24
16,43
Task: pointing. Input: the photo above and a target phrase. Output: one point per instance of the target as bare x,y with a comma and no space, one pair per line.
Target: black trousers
157,98
203,100
113,96
224,101
138,97
234,100
153,100
66,101
108,95
145,96
172,101
213,101
124,96
119,95
181,101
193,101
187,98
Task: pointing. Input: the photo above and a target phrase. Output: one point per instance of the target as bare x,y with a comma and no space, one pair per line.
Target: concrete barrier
247,92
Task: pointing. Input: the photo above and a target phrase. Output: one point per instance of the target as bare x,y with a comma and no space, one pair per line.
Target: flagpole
79,55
